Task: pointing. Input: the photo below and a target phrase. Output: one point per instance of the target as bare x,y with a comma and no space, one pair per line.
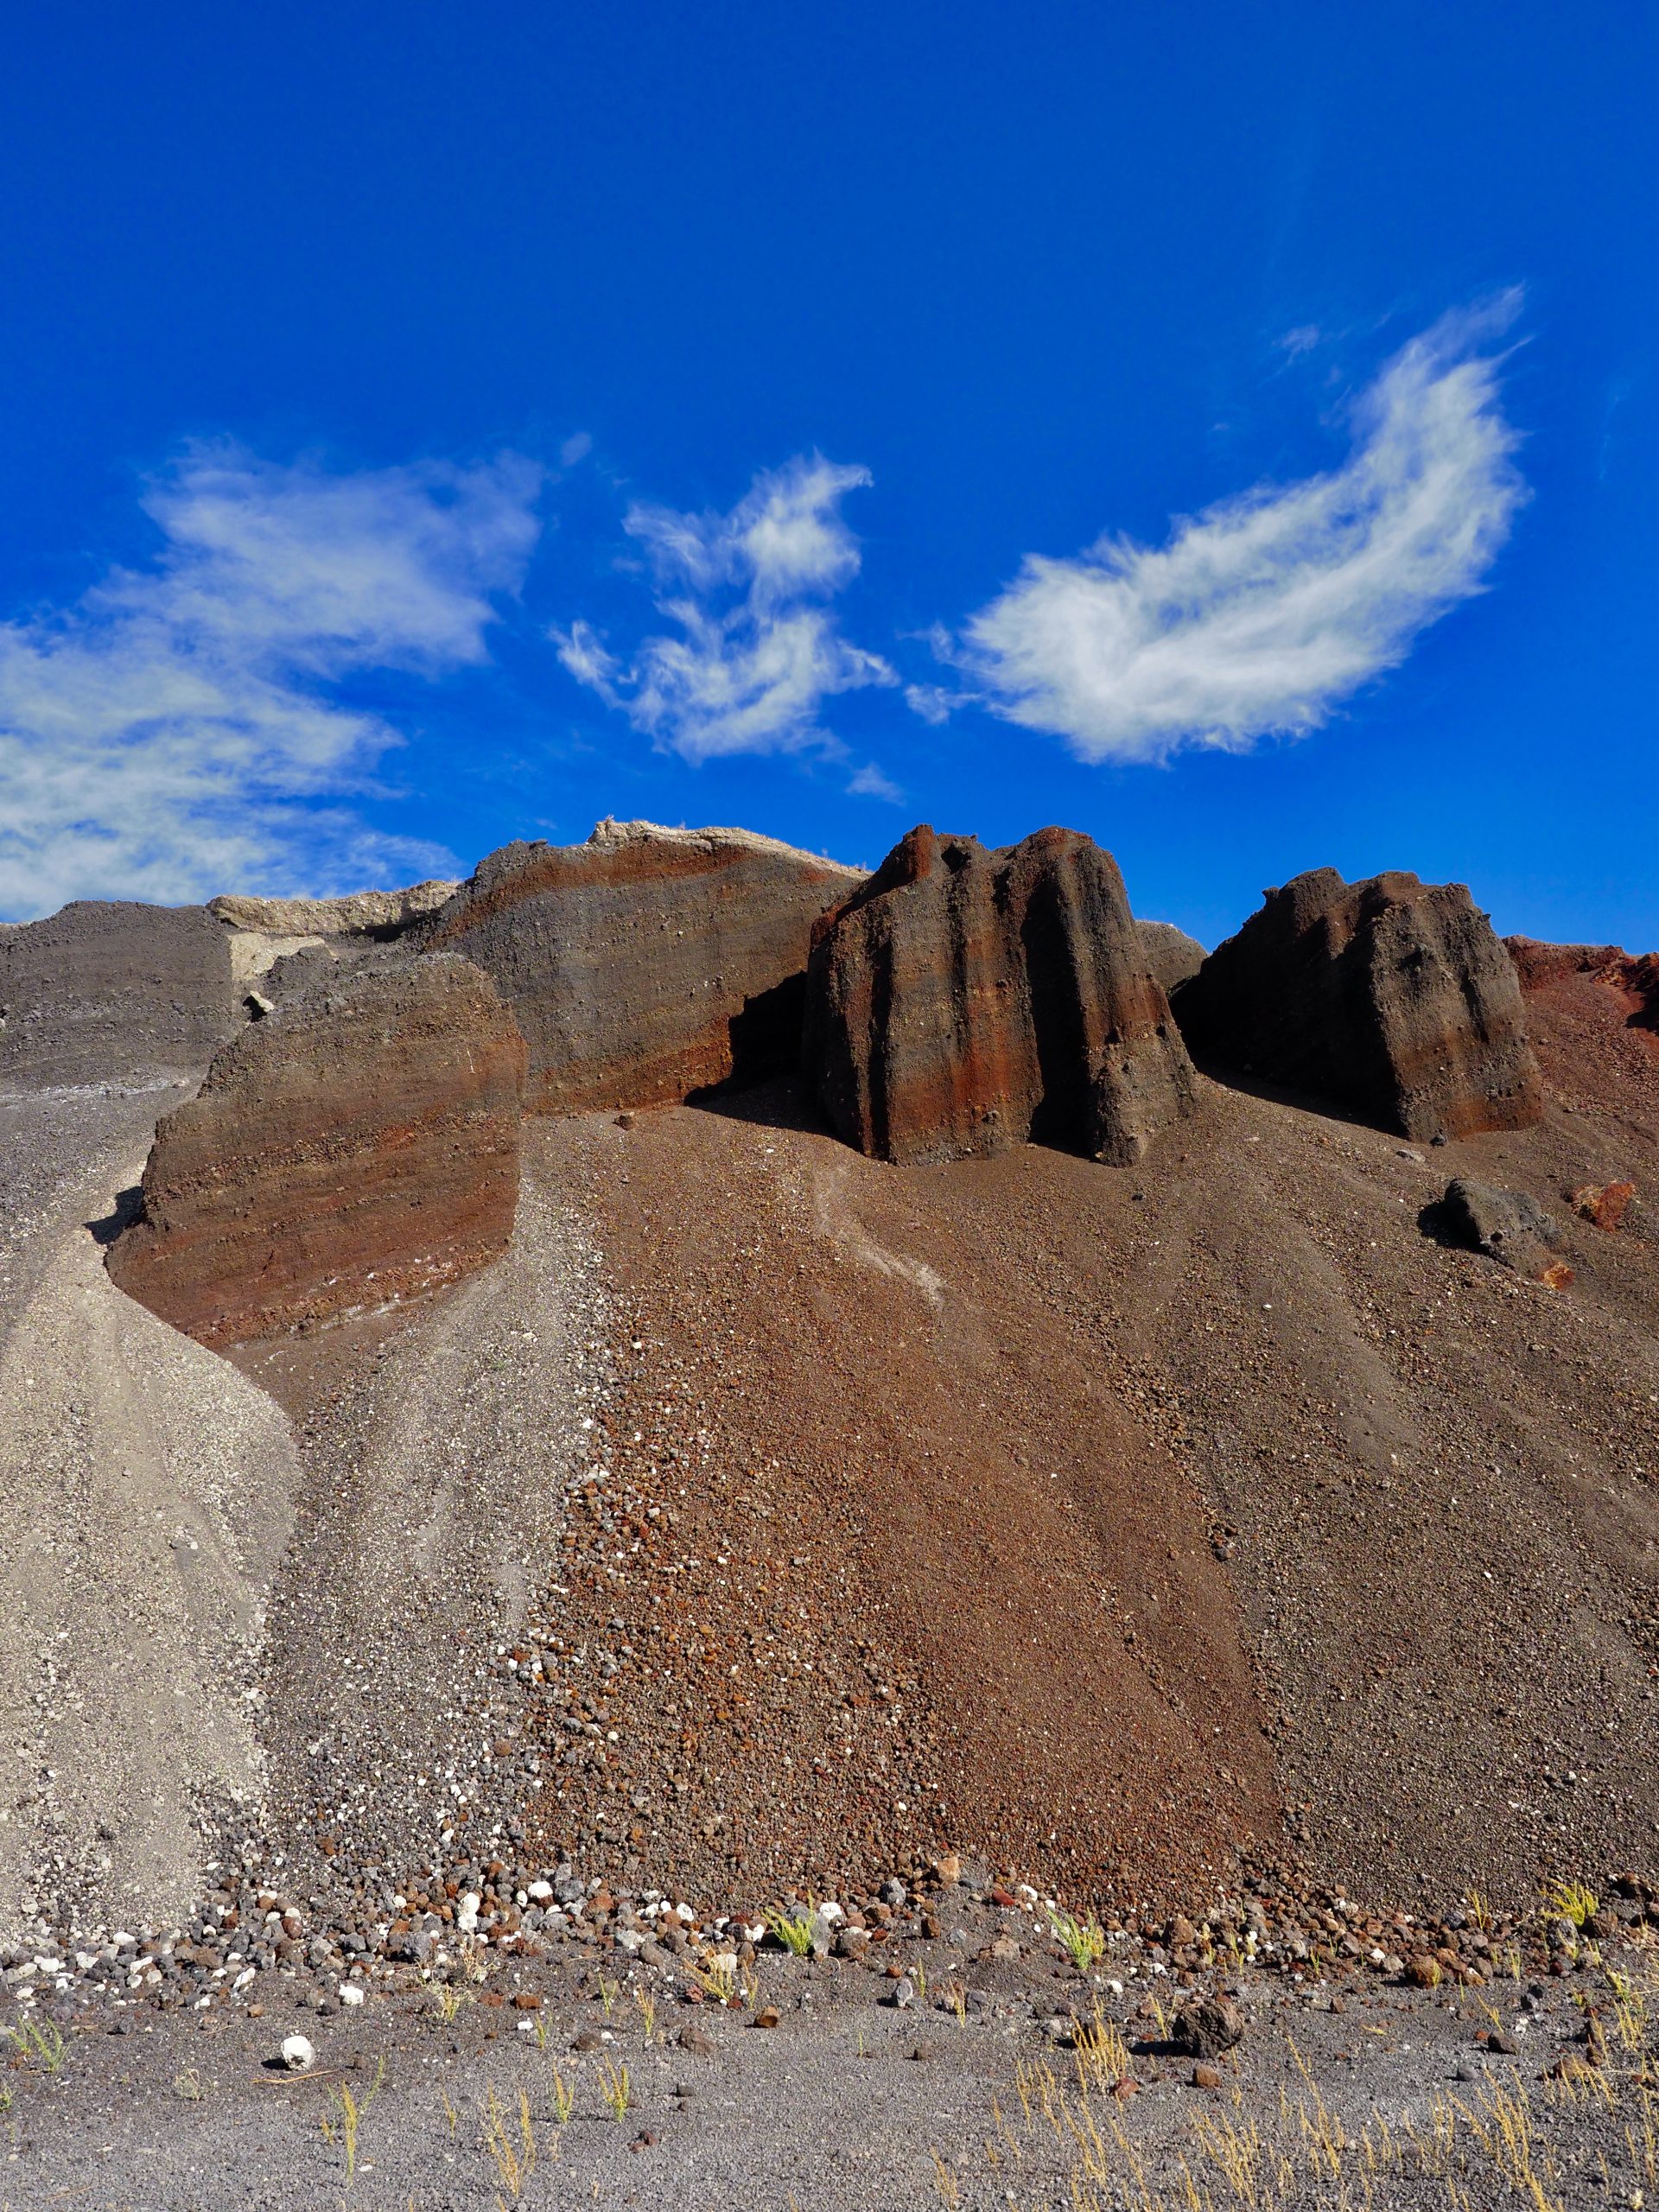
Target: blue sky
1229,431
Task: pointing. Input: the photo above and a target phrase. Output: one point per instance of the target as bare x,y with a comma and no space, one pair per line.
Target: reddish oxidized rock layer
360,1146
1391,998
647,964
962,1001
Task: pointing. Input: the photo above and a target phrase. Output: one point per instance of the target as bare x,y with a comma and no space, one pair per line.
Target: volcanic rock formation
1391,997
1593,1011
1171,954
359,1145
962,1001
105,991
647,964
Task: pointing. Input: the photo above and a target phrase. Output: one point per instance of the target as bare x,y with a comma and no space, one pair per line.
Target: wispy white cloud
759,650
870,782
178,731
1264,612
931,701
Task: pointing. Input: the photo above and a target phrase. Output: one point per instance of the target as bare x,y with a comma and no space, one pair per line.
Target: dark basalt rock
357,1145
105,991
1508,1226
648,963
963,1001
1391,998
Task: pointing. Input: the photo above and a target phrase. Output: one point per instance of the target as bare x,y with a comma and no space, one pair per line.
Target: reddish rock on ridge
1391,998
963,1001
647,964
359,1145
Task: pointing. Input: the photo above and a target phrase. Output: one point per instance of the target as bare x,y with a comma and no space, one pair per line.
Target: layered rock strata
358,1146
648,963
103,991
266,932
1391,998
963,1001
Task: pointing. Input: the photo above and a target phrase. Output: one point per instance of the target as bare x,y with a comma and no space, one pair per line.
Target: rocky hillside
885,1397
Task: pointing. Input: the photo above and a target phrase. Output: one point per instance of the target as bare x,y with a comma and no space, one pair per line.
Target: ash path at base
1101,1475
830,2112
437,1443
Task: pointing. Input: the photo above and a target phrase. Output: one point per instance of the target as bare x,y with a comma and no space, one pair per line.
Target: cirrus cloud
1264,612
178,730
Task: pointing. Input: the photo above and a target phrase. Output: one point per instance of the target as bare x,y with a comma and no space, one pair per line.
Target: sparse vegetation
792,1925
615,2088
714,1972
564,2101
448,1997
41,2040
647,2004
347,2109
1083,1941
509,2140
1570,1904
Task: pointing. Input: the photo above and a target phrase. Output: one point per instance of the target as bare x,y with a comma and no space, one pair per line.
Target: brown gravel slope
1109,1522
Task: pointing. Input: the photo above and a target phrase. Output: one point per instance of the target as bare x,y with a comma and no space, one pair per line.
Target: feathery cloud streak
173,733
759,650
1267,610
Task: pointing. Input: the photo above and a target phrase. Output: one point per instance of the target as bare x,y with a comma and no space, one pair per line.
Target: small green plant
42,2039
348,2109
715,1973
450,2113
614,2089
473,1963
607,1993
448,1997
1083,1941
511,2149
792,1925
188,2085
647,2004
1480,1913
1570,1902
564,2101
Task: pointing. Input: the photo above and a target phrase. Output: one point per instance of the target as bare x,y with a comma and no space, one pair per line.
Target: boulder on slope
1391,998
647,964
359,1145
107,989
1508,1226
962,1001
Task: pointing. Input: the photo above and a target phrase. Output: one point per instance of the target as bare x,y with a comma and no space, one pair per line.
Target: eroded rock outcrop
1391,998
647,964
105,991
359,1145
963,1001
266,933
1171,954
